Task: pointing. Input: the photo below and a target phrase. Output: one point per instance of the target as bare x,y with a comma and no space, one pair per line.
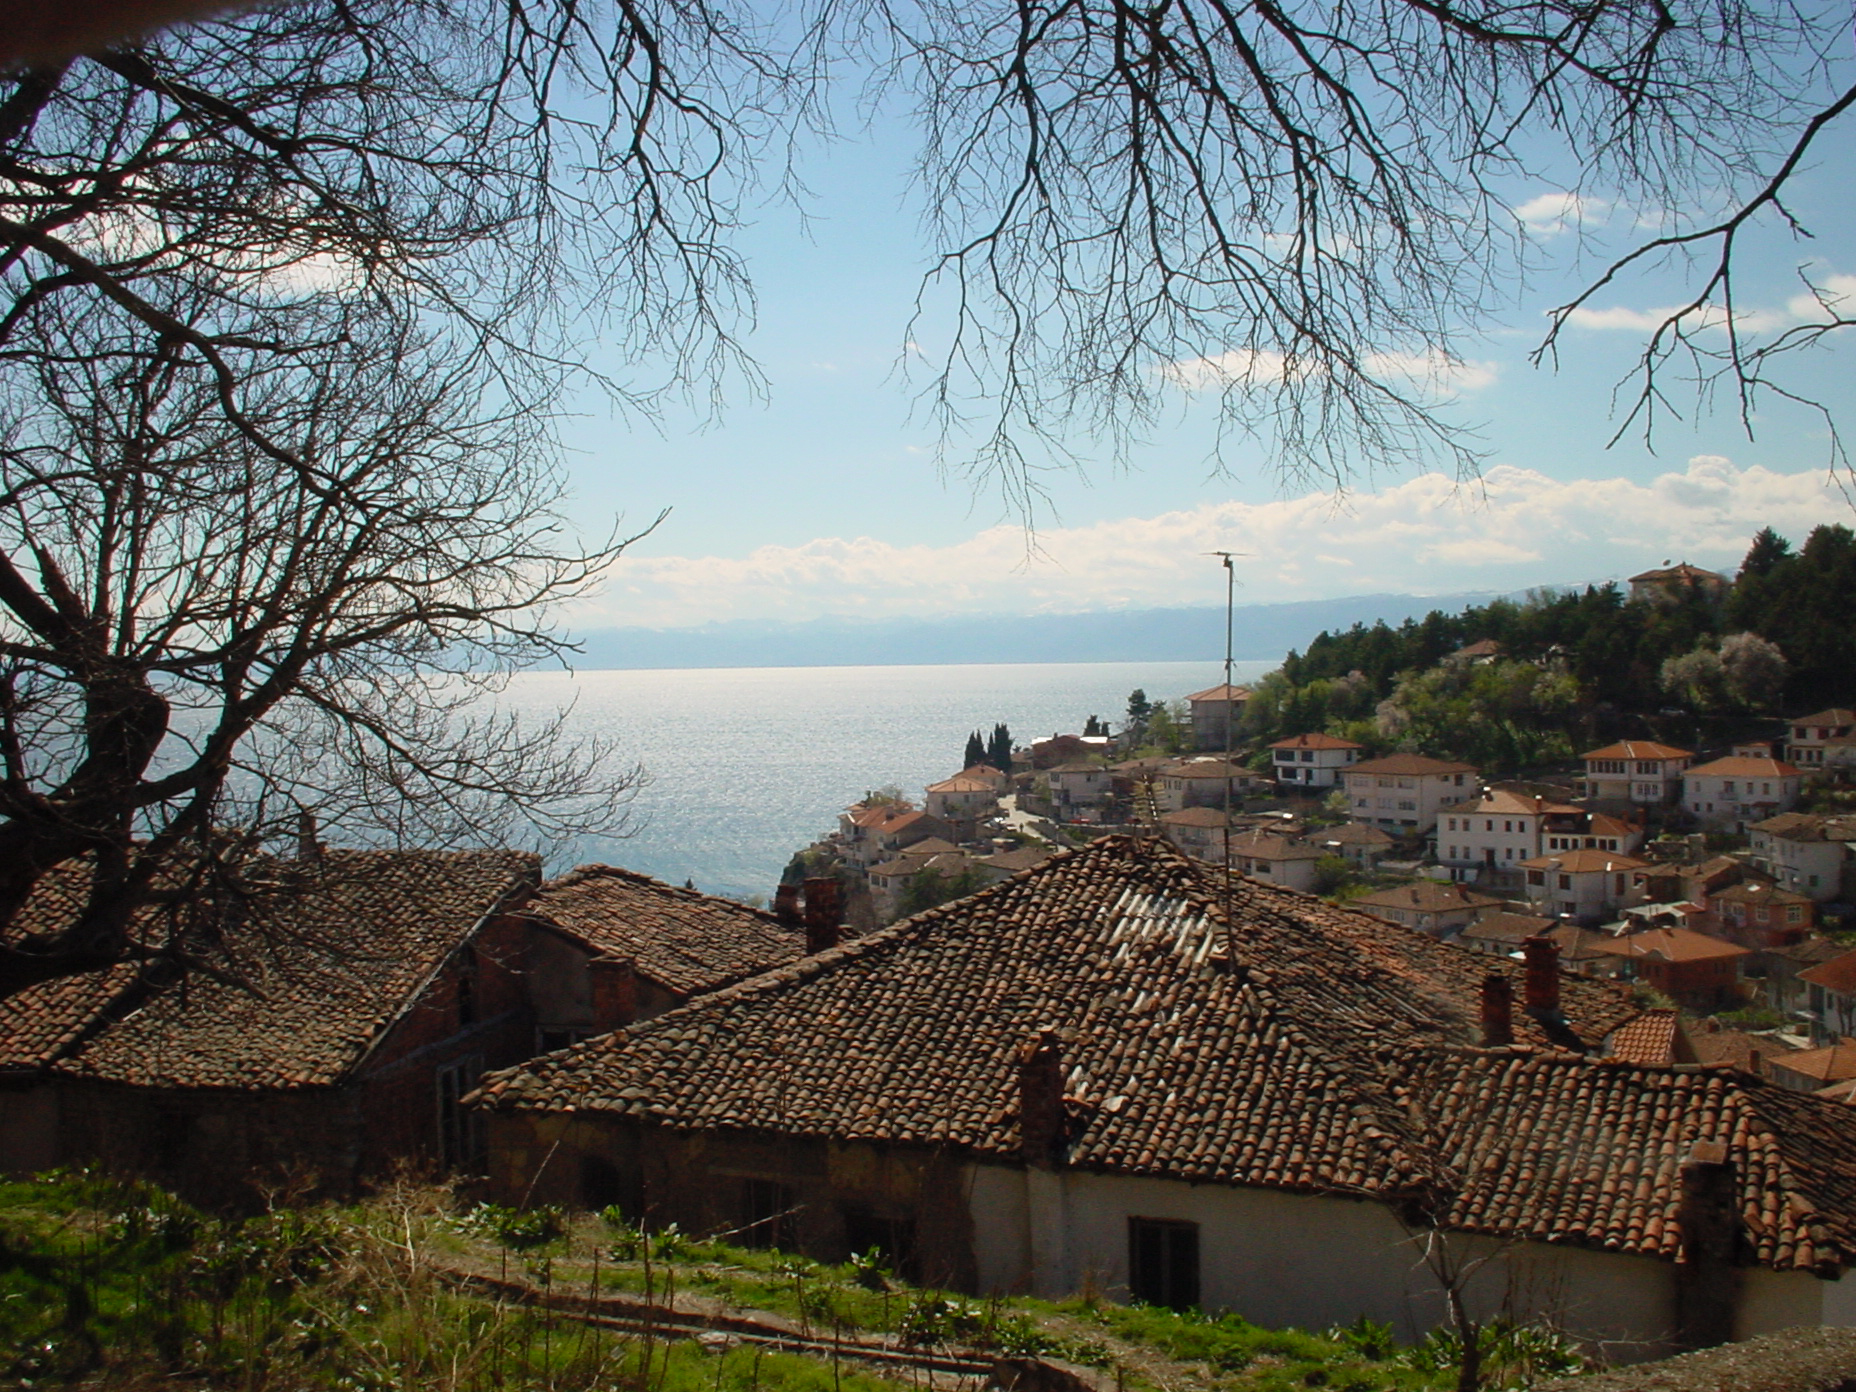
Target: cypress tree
999,750
976,751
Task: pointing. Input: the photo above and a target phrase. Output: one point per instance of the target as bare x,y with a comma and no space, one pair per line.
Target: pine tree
1767,550
976,751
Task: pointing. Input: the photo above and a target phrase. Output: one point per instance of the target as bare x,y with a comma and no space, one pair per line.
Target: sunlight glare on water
748,765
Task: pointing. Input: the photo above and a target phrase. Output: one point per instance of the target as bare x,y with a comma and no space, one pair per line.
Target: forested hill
1579,664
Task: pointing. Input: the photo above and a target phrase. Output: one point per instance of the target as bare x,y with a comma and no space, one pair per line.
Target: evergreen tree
999,750
1767,550
976,751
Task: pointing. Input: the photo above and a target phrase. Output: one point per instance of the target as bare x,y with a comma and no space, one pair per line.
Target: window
1407,805
1163,1262
460,1128
467,987
892,1239
1565,881
1308,756
548,1038
767,1215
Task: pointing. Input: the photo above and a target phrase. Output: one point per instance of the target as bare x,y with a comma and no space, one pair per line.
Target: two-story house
1733,792
1672,584
1202,783
1756,914
1430,906
1692,969
1078,790
1278,859
1585,885
1639,771
1496,831
1806,853
1404,793
1312,760
1215,713
963,801
1831,996
1812,736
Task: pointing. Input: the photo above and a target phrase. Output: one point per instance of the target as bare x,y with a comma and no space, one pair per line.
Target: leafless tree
198,646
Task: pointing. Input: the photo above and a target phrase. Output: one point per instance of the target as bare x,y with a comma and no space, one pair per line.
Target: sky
824,497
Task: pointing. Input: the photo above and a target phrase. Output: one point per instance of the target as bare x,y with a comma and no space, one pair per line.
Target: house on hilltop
1635,771
1806,853
1116,1070
1313,760
1673,584
1734,791
1823,739
363,994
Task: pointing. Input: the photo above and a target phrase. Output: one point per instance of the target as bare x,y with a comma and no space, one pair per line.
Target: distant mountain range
1262,632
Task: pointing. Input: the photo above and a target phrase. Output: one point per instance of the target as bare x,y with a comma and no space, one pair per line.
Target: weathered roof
1428,896
1501,802
1758,892
1221,692
1019,858
1650,1038
1421,765
1678,945
1741,766
1836,715
1315,740
1290,1045
1683,571
1638,749
1507,928
1838,974
1351,834
1808,826
1585,861
1834,1063
964,783
684,940
1263,845
1210,768
1194,817
329,957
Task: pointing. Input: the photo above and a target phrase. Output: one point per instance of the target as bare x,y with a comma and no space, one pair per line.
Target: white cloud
1549,214
1427,535
1434,370
1831,296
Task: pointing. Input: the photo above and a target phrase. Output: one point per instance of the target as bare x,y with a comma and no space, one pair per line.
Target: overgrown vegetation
114,1284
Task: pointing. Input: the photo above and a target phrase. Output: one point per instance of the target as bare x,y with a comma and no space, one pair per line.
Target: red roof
1316,740
1740,766
1306,1048
1838,974
1221,692
1678,945
1411,764
1639,749
1585,861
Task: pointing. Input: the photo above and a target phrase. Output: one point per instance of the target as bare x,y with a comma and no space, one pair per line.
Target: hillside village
1134,1019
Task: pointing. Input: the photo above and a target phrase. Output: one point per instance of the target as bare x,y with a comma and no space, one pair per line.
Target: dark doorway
1163,1262
767,1215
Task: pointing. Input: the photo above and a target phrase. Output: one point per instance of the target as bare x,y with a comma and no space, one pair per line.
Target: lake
748,765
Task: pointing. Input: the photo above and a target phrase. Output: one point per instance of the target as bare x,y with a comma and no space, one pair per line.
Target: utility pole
1230,732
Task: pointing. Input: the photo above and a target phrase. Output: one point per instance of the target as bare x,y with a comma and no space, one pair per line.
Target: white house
1671,584
1215,713
1403,793
1202,783
1198,831
1804,853
1586,885
962,799
1278,859
1427,906
1639,771
1113,1073
1813,735
1496,831
1312,760
1734,791
1076,787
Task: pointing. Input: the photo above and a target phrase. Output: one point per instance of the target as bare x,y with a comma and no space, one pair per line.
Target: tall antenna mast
1230,732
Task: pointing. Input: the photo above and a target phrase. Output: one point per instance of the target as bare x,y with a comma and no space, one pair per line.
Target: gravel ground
1797,1360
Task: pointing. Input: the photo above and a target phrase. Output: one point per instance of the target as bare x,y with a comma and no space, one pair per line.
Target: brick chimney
1542,958
307,846
786,905
1708,1275
824,913
1497,1011
1040,1098
615,992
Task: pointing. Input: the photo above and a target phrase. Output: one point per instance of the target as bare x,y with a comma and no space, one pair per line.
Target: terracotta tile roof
332,960
1811,951
1507,928
1500,802
1838,974
1315,741
1585,862
683,940
1351,834
963,783
1837,715
1639,749
1650,1038
1758,892
1409,764
1678,945
1194,817
1261,845
1834,1063
1808,826
1426,896
1290,1046
1078,767
1715,1043
1582,944
1221,692
1482,647
1602,825
1211,768
901,868
1739,766
1023,858
41,1022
